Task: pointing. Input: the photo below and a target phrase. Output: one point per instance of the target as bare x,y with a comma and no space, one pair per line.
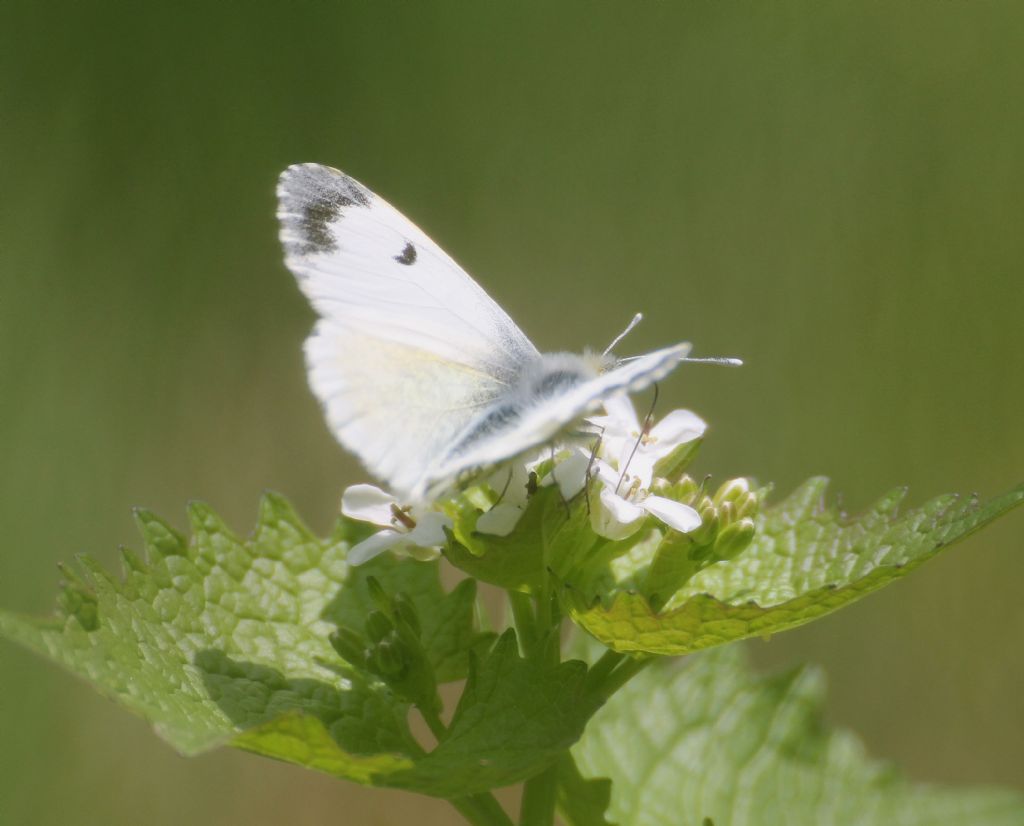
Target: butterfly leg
504,490
590,467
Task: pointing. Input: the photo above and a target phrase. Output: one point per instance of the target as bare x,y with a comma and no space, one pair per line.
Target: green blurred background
832,191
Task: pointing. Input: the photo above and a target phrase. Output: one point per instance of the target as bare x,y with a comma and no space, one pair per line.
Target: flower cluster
629,456
620,472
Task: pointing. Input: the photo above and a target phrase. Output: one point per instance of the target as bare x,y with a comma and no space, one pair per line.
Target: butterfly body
420,373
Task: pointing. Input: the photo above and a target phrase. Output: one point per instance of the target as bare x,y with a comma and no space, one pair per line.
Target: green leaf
805,561
220,641
710,739
516,716
582,802
549,529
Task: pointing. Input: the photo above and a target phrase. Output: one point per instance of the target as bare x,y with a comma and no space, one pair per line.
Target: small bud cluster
726,516
391,647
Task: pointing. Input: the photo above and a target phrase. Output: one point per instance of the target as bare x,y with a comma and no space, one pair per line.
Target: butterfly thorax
552,374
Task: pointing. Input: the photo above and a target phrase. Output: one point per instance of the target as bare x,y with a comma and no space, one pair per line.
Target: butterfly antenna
636,320
723,362
720,361
643,432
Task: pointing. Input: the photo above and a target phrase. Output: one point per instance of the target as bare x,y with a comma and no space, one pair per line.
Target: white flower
625,466
621,435
512,484
420,535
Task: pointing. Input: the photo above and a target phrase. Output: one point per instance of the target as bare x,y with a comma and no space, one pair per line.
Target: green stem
549,620
433,721
599,671
544,618
540,794
627,670
482,810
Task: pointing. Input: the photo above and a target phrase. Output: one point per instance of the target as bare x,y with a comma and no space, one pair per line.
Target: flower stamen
400,516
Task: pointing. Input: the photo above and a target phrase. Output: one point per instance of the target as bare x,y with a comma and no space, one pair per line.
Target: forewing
410,347
540,422
363,264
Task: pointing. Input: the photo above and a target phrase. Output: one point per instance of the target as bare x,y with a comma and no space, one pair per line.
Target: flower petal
510,482
621,509
422,554
373,546
368,503
622,414
606,473
614,517
499,520
571,473
674,514
677,428
429,530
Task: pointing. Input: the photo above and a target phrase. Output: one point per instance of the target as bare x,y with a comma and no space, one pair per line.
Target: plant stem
433,721
544,618
627,670
482,810
599,671
539,797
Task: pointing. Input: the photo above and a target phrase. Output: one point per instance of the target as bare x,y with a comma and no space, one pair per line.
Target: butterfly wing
409,349
513,430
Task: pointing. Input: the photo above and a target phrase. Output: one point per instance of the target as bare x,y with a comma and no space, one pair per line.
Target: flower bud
378,626
405,612
734,539
686,490
749,506
734,490
709,524
350,646
726,513
389,661
377,593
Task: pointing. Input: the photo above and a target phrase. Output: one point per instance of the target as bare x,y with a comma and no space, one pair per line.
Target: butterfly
420,373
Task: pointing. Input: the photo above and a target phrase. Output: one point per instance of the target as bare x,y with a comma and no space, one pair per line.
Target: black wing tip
311,197
303,180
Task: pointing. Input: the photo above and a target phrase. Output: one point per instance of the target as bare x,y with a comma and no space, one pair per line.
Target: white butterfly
420,373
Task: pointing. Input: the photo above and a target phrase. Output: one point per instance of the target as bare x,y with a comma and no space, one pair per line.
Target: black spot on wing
312,197
408,255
